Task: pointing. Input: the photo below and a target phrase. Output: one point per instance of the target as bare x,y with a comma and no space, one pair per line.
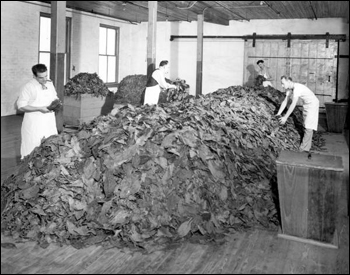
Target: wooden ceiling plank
212,16
222,4
161,10
188,10
114,12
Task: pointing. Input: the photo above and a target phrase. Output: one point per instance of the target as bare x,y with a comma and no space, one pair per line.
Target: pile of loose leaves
149,176
86,83
171,95
132,88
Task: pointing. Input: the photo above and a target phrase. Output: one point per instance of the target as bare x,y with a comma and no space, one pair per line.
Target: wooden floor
252,252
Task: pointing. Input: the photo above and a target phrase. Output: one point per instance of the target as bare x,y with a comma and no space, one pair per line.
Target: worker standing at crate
310,108
155,82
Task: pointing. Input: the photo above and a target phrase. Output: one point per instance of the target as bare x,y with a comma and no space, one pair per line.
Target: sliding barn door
307,61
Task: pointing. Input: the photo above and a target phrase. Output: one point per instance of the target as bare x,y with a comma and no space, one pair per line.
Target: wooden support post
58,51
327,40
200,20
254,39
289,37
151,38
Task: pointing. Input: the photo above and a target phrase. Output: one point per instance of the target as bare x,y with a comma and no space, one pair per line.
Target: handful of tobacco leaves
259,80
55,105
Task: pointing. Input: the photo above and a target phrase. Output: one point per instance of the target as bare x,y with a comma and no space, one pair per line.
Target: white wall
19,46
222,58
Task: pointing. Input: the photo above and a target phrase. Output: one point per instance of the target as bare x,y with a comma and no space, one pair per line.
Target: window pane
45,31
44,58
111,42
103,40
102,72
111,69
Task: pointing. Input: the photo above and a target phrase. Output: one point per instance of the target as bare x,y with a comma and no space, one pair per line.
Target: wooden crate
82,109
336,116
308,191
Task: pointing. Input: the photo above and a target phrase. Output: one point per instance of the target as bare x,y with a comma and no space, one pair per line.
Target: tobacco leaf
148,176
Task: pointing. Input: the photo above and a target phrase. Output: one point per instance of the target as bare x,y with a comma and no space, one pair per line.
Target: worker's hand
45,110
283,120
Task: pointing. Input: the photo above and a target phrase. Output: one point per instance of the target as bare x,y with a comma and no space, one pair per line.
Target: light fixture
262,3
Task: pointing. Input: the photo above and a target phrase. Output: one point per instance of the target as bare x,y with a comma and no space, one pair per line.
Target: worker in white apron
310,109
38,121
155,82
263,70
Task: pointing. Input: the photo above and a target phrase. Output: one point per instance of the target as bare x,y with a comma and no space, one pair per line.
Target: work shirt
156,81
265,74
310,105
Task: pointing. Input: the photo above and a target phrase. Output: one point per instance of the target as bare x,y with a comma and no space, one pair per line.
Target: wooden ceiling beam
270,6
229,9
191,15
161,10
212,16
313,10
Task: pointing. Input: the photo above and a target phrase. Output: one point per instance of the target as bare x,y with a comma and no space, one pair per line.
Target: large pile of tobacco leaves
149,176
132,87
86,83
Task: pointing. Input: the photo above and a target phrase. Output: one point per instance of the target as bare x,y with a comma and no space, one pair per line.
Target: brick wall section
19,50
20,43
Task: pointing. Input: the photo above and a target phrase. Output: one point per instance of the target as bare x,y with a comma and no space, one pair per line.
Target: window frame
117,36
67,48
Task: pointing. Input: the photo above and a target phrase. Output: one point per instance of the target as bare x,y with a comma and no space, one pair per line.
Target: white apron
267,83
152,95
310,114
37,125
310,105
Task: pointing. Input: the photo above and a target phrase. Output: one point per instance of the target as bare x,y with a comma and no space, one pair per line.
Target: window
45,44
44,41
108,54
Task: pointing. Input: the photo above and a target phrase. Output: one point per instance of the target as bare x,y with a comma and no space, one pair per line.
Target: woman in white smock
310,108
263,70
38,122
155,82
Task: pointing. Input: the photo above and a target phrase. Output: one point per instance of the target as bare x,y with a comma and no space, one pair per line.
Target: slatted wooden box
308,191
82,109
336,116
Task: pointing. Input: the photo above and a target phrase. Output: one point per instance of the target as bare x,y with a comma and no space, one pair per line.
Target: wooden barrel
336,116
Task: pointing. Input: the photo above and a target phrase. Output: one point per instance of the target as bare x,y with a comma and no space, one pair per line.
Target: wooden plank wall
307,62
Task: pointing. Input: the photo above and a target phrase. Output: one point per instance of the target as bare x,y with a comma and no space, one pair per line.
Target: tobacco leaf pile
132,87
146,177
86,83
171,95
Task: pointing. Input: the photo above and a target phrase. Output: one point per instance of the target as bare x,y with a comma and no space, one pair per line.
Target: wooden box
308,191
336,116
82,109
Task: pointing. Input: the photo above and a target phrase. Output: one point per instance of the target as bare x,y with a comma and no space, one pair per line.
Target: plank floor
252,252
